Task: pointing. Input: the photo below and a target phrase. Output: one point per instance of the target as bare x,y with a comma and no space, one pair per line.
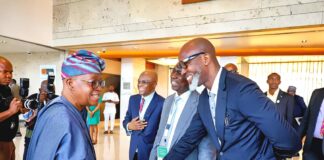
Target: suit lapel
167,108
137,102
221,106
185,116
205,115
279,97
318,102
151,107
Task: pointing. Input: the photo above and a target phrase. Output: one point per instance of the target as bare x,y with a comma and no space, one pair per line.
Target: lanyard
170,123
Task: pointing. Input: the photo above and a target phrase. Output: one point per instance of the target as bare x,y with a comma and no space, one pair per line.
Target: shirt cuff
128,130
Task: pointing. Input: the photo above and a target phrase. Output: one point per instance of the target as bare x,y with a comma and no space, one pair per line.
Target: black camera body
33,102
23,92
50,87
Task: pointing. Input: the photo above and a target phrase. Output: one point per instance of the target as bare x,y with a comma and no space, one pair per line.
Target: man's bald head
5,71
151,74
195,46
198,62
4,61
44,84
231,67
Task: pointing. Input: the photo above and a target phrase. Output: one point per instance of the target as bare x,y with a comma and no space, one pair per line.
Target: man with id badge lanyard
143,116
177,112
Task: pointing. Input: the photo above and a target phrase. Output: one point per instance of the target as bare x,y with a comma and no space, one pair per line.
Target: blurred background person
231,67
14,88
93,120
300,106
110,99
284,102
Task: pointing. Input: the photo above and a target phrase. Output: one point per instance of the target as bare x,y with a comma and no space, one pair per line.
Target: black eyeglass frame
184,62
95,83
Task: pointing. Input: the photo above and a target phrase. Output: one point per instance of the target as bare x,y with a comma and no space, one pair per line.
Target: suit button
221,153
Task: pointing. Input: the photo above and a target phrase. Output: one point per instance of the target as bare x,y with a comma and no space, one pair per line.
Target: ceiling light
165,61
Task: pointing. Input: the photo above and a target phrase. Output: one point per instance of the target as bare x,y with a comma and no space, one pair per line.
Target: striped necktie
141,105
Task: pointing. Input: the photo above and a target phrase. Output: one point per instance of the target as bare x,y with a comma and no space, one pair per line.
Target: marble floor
109,147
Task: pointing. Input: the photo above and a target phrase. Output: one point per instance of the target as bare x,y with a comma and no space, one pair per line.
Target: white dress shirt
273,97
180,105
147,102
320,118
214,90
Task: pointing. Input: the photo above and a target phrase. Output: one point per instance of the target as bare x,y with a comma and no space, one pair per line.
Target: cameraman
38,101
9,110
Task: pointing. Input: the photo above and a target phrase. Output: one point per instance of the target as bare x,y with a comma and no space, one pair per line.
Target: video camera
32,103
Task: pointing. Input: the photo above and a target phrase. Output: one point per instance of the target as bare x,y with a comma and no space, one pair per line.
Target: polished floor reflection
109,147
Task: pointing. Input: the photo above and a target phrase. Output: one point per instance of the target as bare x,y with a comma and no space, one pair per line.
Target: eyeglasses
95,83
144,82
184,62
176,69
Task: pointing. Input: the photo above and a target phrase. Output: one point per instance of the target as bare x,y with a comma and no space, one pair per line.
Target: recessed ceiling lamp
165,61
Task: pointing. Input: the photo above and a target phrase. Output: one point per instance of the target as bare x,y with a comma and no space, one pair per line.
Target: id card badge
162,151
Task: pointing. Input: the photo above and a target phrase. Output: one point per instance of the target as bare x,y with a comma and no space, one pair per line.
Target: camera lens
30,104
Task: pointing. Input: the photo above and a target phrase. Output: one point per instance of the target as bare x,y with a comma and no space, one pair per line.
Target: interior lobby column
131,68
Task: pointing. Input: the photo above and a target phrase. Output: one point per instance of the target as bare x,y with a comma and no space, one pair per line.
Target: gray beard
194,83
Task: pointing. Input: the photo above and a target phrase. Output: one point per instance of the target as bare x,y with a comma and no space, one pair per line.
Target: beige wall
28,66
30,20
112,67
95,21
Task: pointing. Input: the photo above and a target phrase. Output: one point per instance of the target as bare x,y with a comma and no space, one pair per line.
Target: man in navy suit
311,126
284,102
241,121
300,106
143,116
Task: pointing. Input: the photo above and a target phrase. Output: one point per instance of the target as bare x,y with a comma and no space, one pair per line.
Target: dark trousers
135,156
315,153
27,140
7,150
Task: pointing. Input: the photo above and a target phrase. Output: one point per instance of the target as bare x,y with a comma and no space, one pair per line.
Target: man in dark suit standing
232,110
313,127
300,106
178,110
284,102
143,116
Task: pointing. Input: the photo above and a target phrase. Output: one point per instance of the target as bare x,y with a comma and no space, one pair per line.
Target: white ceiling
305,37
11,45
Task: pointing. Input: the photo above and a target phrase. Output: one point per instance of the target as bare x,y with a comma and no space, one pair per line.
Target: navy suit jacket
247,124
143,140
299,110
307,127
285,104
